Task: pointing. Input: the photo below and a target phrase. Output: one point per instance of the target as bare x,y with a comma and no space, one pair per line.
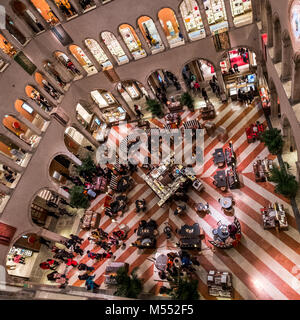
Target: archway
66,8
7,47
277,39
47,86
150,33
20,129
38,98
134,93
51,70
216,15
14,31
241,12
45,11
109,106
27,16
83,59
30,114
191,15
132,41
63,59
98,53
114,47
170,27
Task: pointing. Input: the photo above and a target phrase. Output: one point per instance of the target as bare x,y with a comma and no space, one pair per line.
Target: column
274,104
39,17
204,18
110,57
76,6
125,48
51,235
229,14
286,56
162,34
150,92
256,4
56,11
254,10
277,40
182,28
270,27
30,126
11,163
38,109
263,15
124,104
220,80
295,90
93,60
87,135
4,189
77,64
143,41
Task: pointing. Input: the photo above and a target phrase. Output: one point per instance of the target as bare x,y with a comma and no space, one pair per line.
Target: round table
161,262
226,202
222,232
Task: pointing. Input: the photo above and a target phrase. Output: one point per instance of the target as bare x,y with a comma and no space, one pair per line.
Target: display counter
114,115
265,100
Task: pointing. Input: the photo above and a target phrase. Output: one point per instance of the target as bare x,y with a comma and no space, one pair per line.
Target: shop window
83,59
47,86
241,12
192,19
66,8
7,47
14,31
207,69
150,33
25,110
68,64
38,98
8,176
13,152
45,11
216,15
295,20
18,128
25,14
98,53
132,41
50,69
87,5
170,26
114,47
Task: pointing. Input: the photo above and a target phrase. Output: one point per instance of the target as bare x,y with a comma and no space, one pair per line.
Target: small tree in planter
129,286
286,183
78,198
155,108
87,167
273,140
187,100
185,289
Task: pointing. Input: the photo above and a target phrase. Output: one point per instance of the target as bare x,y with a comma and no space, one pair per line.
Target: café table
226,202
161,262
220,179
221,232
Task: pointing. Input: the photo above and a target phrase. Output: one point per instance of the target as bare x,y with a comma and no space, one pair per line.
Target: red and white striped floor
265,265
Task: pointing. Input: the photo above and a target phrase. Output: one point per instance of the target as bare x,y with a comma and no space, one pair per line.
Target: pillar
295,90
76,6
38,109
56,11
182,28
162,34
286,56
125,48
274,103
277,40
270,27
87,135
109,55
220,80
149,90
77,64
39,17
144,43
255,12
263,16
194,66
229,14
204,19
51,235
124,104
30,126
11,163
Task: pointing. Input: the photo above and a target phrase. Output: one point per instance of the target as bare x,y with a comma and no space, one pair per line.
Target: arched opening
45,11
241,12
277,40
91,122
51,70
87,5
77,144
20,129
114,47
239,70
132,41
47,86
98,53
13,152
14,31
135,94
8,176
109,106
191,15
150,33
165,86
63,59
38,98
7,47
30,114
66,8
21,10
170,27
83,59
216,15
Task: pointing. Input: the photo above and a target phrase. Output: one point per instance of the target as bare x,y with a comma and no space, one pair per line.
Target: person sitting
179,210
140,205
84,267
236,68
232,229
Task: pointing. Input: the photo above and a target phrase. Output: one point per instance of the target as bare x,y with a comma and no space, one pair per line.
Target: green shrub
78,199
187,100
155,107
273,140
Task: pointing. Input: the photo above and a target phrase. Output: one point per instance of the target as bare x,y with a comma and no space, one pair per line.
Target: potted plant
273,140
286,183
78,198
155,107
187,100
87,166
129,286
185,289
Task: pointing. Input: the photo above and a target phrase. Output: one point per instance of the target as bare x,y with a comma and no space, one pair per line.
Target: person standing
204,95
138,111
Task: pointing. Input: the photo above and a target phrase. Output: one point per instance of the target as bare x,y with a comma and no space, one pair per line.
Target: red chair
249,134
